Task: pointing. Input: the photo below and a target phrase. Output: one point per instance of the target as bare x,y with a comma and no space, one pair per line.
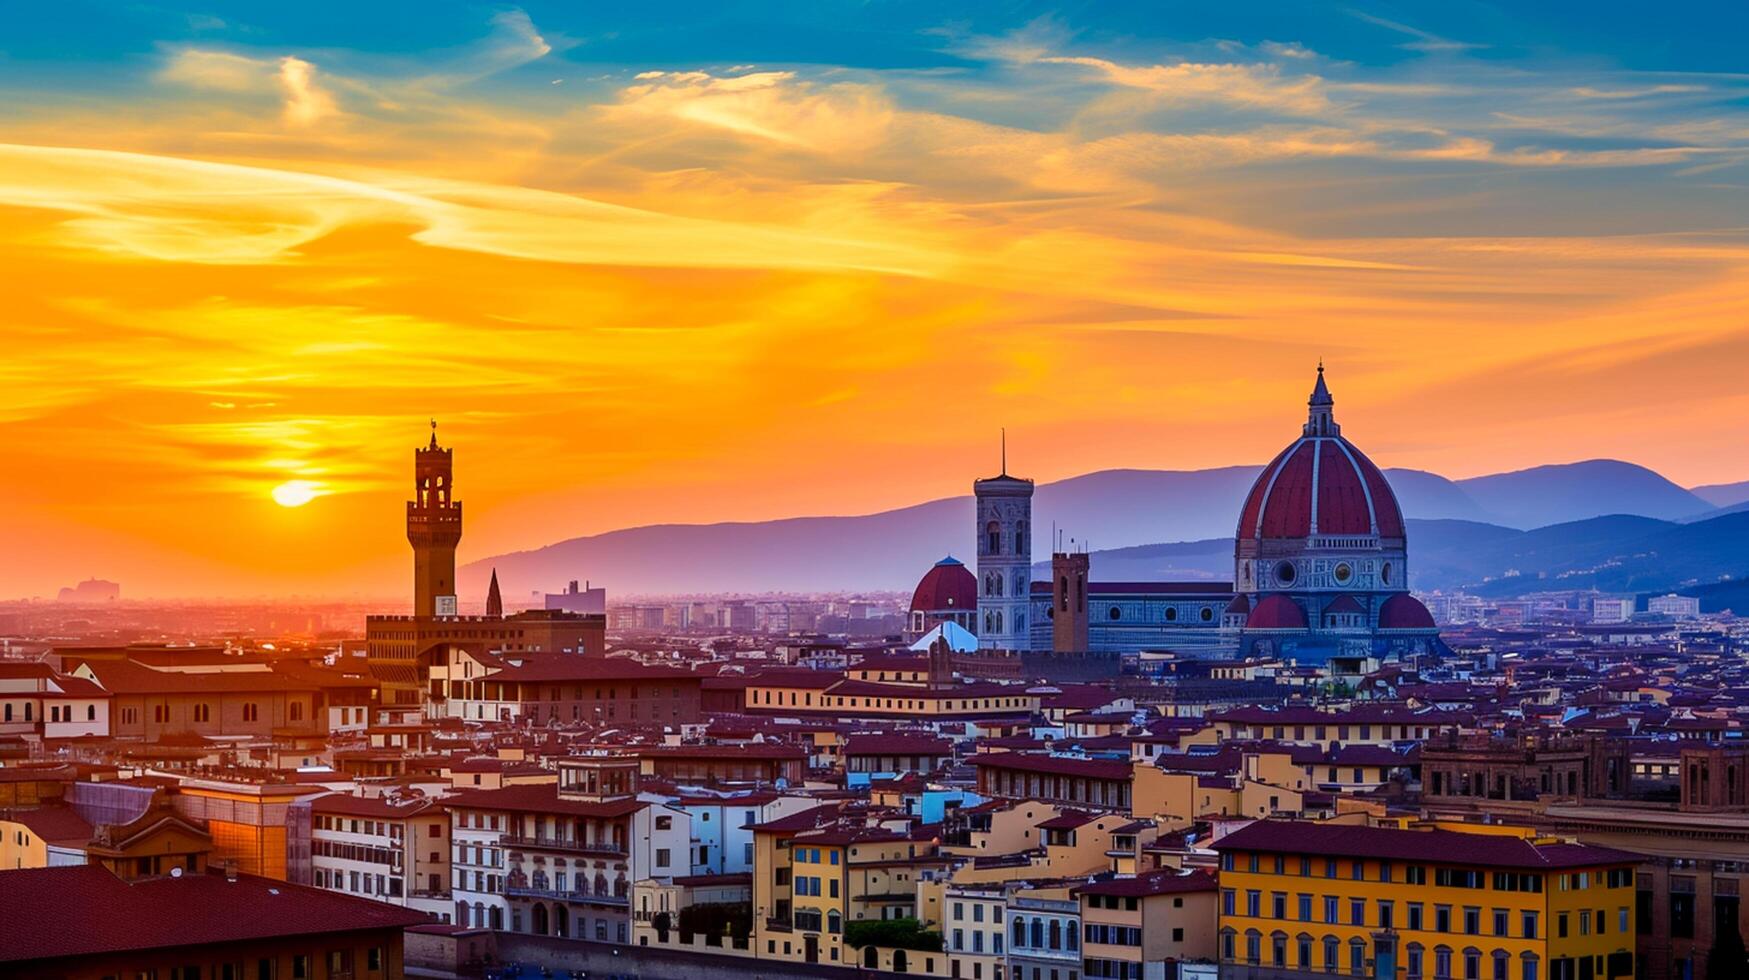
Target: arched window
994,531
1253,946
1020,538
1020,583
1019,937
1529,965
998,620
1056,934
1502,964
1278,948
1412,961
1442,962
1227,944
1357,956
834,922
1332,954
989,622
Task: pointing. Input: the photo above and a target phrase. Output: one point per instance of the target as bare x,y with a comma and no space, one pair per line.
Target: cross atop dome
1320,417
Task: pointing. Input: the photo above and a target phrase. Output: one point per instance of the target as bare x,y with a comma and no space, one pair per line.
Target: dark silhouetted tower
434,528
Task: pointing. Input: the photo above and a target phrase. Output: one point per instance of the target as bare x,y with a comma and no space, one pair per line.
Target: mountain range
1603,522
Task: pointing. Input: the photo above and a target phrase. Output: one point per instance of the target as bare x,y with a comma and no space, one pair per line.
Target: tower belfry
434,528
1004,506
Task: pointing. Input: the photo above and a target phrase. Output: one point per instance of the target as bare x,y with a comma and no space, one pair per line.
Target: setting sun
296,493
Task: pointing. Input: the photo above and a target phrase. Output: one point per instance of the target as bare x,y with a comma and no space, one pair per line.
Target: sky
733,261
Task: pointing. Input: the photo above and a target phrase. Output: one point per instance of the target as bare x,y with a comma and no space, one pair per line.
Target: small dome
947,586
1276,612
1405,612
1239,606
1345,604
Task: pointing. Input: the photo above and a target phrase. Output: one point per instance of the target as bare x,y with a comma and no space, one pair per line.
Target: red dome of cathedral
1277,612
1405,612
949,585
1320,485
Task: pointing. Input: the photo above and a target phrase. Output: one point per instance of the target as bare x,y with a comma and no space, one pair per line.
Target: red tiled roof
83,911
377,808
1052,764
54,824
1166,882
539,798
1431,846
897,744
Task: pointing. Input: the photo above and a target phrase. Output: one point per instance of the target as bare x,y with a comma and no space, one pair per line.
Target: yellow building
1466,903
1131,926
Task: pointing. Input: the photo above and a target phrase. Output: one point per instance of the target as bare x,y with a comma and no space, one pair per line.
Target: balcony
610,848
553,894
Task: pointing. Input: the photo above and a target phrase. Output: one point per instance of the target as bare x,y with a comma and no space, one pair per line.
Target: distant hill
1461,533
1615,553
1723,494
1547,495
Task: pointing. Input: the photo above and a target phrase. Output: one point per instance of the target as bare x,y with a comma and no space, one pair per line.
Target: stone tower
434,528
1004,559
1069,602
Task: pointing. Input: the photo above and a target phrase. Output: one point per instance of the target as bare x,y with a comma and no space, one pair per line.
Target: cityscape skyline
643,273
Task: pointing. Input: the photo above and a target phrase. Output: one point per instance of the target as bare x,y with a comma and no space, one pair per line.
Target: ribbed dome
1320,485
948,585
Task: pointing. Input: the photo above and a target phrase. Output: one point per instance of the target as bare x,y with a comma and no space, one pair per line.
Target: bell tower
434,528
1004,505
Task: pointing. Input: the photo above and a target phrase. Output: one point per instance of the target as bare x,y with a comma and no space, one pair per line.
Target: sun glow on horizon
296,493
258,257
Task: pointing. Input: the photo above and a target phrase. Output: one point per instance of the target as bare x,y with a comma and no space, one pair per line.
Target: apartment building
1435,903
394,851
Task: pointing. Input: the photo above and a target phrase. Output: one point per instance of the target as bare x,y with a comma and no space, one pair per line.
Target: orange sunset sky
737,268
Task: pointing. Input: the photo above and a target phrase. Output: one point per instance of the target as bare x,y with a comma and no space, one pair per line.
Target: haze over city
738,262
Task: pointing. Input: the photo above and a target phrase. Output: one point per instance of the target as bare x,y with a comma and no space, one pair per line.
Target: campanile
434,528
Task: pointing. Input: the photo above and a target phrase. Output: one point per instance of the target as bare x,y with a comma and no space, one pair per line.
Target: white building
389,850
559,859
974,930
1674,606
722,843
1609,609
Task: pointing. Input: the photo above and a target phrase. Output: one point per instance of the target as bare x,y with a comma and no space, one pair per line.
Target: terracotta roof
377,808
539,798
86,910
1168,882
1052,764
1431,846
535,667
54,824
897,744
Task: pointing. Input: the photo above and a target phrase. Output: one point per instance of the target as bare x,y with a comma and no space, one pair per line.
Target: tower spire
433,434
494,600
1004,450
